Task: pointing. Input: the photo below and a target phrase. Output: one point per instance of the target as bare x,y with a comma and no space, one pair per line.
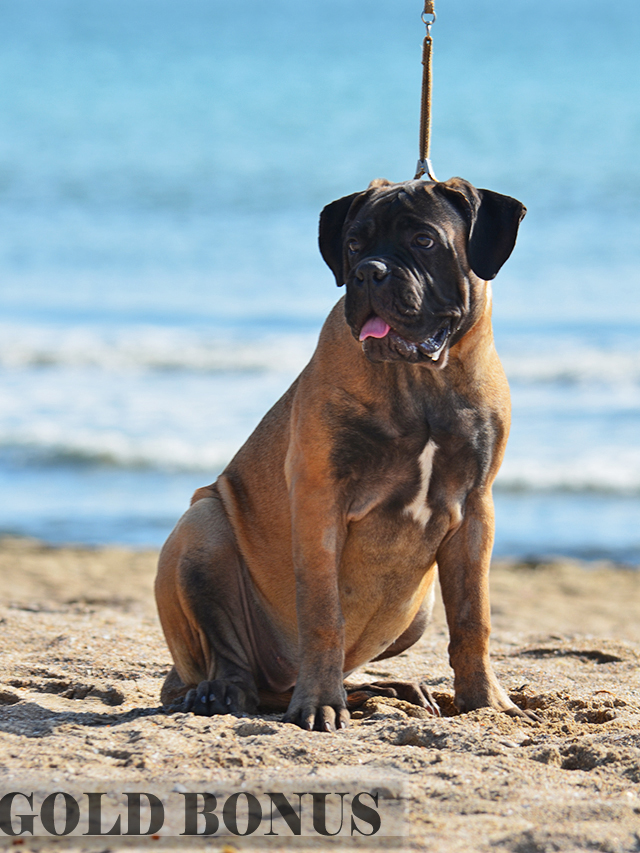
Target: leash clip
429,21
424,167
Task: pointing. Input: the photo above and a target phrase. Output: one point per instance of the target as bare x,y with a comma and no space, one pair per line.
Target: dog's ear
332,221
379,182
493,224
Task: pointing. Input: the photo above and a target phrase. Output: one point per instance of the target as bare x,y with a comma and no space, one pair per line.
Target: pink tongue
375,327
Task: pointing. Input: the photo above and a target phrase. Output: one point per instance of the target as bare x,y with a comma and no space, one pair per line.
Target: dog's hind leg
204,612
173,689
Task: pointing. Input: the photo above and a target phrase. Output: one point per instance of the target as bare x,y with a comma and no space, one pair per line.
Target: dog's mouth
430,349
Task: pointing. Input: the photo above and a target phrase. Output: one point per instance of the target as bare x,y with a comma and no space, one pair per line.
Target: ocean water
162,168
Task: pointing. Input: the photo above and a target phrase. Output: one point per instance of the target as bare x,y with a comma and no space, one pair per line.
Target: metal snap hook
429,19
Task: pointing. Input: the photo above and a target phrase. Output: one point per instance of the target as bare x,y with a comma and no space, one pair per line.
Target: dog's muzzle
377,328
386,312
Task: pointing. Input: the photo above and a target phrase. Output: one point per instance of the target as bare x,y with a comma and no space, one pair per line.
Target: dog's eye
424,241
353,246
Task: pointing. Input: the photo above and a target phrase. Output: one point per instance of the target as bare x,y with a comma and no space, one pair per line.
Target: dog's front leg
319,697
463,568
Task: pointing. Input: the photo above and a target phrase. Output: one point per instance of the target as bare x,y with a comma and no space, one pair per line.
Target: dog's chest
406,470
419,509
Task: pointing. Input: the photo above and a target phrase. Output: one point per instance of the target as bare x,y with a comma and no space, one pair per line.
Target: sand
83,659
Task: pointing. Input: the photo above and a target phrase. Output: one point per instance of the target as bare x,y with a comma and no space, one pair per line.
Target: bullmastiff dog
316,550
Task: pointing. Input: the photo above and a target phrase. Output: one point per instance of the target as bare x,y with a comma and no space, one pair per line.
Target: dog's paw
492,697
514,711
319,713
219,697
417,693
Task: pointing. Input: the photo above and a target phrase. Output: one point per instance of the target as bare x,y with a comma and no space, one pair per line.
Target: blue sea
162,167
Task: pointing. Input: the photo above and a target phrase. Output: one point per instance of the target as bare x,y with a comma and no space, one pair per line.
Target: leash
424,166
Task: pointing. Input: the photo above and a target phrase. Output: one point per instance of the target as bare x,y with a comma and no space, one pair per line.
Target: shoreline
83,660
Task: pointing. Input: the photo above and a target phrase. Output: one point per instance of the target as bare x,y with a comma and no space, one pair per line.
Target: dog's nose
372,271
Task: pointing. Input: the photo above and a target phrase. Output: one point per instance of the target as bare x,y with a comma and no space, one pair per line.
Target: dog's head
414,257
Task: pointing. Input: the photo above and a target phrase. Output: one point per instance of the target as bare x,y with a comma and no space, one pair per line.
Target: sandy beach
83,659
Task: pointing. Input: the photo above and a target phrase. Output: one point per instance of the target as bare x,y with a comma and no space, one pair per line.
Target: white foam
179,399
172,419
116,449
604,469
577,365
146,347
204,450
151,348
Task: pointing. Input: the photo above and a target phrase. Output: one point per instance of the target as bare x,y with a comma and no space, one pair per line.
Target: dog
316,550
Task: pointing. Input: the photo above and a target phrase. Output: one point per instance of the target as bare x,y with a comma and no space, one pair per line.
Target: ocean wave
180,349
152,348
608,472
575,366
118,451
